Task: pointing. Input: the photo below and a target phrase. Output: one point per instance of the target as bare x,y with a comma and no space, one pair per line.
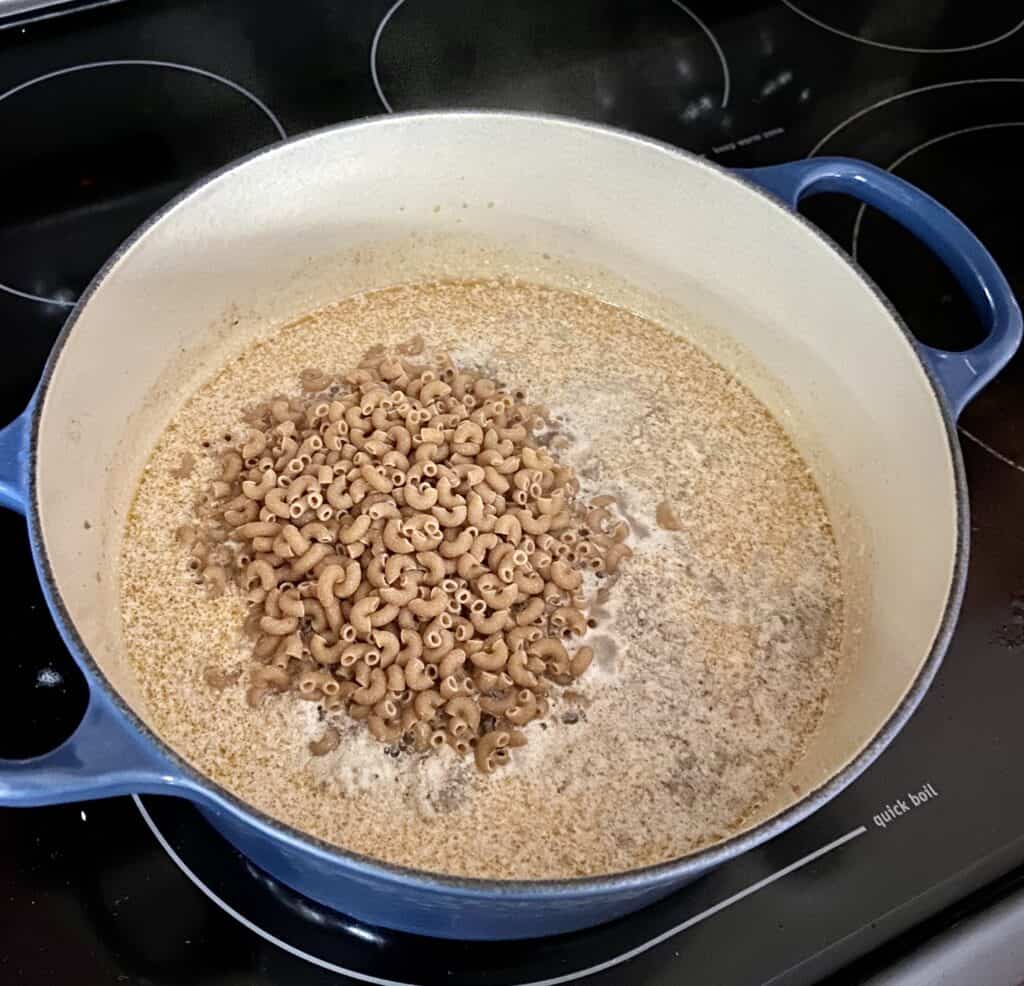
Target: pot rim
192,780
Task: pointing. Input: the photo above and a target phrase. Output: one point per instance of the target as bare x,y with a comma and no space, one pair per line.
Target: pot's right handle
104,756
961,375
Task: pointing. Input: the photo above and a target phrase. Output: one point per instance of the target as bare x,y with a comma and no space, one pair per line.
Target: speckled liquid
714,659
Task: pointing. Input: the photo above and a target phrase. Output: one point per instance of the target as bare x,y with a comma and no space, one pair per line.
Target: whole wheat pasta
494,659
485,681
426,703
433,566
570,618
271,677
614,556
401,594
395,566
215,578
486,746
459,545
516,738
359,615
387,643
396,538
420,496
412,646
353,577
375,478
509,527
298,543
522,635
466,709
532,524
258,528
324,653
532,610
384,615
425,609
354,531
371,693
446,495
261,573
380,729
327,742
383,509
581,661
564,576
335,494
524,710
327,580
451,662
476,510
468,568
313,555
451,517
386,708
425,538
458,735
498,554
279,627
395,677
351,654
299,487
308,684
518,671
550,649
499,703
491,623
419,676
276,502
497,596
265,646
434,653
290,604
393,537
254,446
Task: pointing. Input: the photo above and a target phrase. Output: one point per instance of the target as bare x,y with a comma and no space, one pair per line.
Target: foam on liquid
712,664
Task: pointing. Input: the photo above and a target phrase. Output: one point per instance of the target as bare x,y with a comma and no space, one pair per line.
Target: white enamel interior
471,194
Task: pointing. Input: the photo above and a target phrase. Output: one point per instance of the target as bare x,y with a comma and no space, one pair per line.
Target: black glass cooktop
109,109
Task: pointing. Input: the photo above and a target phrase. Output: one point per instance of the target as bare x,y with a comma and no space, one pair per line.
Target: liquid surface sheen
713,662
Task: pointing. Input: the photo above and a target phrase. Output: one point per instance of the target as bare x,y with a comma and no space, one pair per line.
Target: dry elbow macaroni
412,555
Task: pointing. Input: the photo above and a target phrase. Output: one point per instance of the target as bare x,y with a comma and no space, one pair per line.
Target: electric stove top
107,109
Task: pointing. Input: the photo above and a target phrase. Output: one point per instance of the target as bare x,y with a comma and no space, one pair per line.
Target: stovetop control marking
895,810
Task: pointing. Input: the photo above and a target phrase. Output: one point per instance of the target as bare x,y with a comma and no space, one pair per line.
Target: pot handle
104,756
960,375
14,443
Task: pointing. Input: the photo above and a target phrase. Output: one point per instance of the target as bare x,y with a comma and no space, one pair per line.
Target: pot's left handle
104,756
14,444
961,375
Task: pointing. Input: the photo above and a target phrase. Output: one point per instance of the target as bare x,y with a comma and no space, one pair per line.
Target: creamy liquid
713,660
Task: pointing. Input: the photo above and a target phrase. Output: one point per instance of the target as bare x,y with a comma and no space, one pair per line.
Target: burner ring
903,95
906,49
924,145
396,6
110,63
601,949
